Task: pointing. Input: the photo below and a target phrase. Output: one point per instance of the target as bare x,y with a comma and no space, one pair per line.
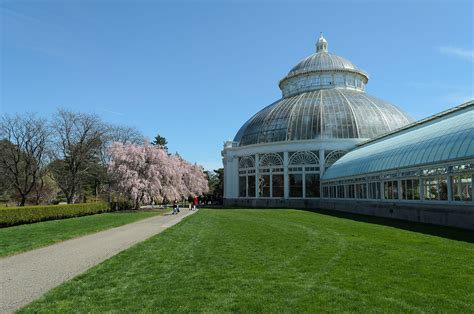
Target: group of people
192,205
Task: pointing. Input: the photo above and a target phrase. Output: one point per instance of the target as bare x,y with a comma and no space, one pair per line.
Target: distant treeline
67,159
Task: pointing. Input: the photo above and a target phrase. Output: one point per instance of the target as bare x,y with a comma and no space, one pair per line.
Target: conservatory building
422,172
326,144
284,149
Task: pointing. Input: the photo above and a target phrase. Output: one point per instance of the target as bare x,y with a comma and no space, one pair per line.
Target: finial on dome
322,44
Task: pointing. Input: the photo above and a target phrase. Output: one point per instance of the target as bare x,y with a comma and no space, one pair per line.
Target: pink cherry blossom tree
171,180
195,180
144,173
137,171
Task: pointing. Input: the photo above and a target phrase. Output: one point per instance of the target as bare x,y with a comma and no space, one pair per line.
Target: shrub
121,205
11,216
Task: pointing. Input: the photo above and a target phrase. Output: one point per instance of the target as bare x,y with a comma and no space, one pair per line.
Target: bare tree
23,151
125,135
120,134
115,134
78,140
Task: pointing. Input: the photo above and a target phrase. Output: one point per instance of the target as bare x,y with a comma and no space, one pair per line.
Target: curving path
27,276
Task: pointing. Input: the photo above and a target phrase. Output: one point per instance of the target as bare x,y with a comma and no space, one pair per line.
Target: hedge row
29,214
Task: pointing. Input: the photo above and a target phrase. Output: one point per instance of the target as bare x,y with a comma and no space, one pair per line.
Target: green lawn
276,261
26,237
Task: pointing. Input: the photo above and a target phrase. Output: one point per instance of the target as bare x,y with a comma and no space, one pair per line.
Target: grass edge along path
22,238
28,276
275,261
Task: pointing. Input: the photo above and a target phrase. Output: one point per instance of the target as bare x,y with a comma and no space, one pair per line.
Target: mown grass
26,237
276,261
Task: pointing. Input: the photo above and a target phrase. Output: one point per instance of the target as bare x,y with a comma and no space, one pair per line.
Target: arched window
246,162
270,160
332,157
303,175
270,176
304,158
247,176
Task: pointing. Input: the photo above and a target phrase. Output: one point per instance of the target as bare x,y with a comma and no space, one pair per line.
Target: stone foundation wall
452,215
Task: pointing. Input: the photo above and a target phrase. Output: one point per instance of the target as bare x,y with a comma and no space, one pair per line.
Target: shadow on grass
434,230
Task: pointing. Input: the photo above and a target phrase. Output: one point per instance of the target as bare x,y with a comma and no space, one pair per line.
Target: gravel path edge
27,276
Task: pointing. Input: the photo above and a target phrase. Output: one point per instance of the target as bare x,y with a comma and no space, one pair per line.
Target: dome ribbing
323,98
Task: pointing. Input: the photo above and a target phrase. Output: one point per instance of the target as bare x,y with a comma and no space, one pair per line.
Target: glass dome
323,61
322,114
323,98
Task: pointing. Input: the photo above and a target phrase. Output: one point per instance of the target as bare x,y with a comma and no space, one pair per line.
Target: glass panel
340,191
351,191
391,190
251,189
312,184
404,189
325,191
416,189
467,187
277,185
431,188
242,186
296,185
361,190
443,189
462,187
395,190
332,193
385,190
409,189
264,186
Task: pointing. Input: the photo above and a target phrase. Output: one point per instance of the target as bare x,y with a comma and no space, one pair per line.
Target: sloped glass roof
445,137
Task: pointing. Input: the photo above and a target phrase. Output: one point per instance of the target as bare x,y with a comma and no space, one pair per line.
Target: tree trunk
69,199
71,195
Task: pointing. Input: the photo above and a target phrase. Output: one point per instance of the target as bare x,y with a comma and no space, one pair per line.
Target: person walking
195,202
175,207
190,203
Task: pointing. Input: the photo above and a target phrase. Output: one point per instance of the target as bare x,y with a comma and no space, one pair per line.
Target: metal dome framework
322,114
323,98
327,144
283,150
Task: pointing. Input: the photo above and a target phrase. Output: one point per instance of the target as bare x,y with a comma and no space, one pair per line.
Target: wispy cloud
35,29
465,54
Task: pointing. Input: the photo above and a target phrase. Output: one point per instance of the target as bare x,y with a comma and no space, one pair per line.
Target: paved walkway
27,276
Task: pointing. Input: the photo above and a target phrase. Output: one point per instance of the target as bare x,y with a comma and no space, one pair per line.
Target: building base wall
452,215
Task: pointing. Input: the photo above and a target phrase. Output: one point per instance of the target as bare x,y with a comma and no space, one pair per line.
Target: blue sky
195,71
